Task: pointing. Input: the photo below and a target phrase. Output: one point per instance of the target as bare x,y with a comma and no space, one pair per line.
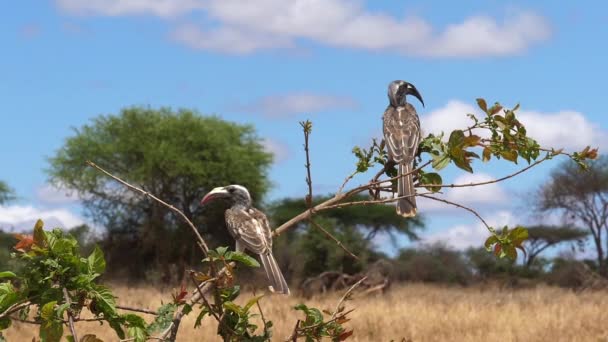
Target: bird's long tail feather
406,207
273,272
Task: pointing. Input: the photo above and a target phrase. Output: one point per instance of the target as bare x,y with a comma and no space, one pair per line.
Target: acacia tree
63,285
177,155
581,198
542,237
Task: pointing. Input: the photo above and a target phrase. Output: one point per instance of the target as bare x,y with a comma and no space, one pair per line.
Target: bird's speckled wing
251,228
401,132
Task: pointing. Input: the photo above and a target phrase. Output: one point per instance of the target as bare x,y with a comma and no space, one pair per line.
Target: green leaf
251,302
431,178
440,161
456,139
490,241
509,155
242,258
7,274
482,105
105,300
201,315
48,311
518,235
5,323
164,318
510,252
51,331
96,261
138,334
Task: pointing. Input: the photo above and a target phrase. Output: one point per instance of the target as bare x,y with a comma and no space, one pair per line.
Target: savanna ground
411,313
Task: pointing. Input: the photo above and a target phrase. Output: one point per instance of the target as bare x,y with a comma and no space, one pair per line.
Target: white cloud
278,149
161,8
297,103
50,194
463,236
23,218
235,26
563,129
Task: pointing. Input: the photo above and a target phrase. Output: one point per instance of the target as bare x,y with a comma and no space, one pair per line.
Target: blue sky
273,63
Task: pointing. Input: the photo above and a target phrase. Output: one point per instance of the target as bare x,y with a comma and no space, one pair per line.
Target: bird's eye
231,189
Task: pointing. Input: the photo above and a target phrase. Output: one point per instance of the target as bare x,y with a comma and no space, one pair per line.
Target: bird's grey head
397,90
235,194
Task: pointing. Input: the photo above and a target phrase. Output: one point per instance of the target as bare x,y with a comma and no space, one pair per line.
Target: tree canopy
582,197
176,155
542,237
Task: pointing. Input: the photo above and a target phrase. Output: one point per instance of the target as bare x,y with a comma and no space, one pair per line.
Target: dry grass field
414,313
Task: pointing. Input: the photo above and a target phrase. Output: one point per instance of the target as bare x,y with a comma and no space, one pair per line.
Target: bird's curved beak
215,193
411,90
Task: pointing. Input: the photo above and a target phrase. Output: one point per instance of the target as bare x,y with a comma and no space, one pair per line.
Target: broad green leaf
5,323
48,311
509,155
105,300
431,178
456,139
7,274
242,258
137,334
96,261
251,302
440,162
490,241
51,331
233,307
510,252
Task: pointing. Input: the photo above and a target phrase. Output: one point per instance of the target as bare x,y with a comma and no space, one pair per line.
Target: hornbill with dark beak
250,229
402,134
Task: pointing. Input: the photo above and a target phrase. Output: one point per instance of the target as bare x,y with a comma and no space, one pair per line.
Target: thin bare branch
128,308
548,156
261,314
68,301
14,308
462,207
345,296
338,242
201,242
378,201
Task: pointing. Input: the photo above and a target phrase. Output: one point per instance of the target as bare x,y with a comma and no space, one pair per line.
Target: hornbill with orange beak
401,128
250,229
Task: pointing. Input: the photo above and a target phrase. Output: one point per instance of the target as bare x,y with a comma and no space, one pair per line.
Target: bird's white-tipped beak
213,194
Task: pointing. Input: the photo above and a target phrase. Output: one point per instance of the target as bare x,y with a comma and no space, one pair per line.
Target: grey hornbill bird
250,229
401,128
